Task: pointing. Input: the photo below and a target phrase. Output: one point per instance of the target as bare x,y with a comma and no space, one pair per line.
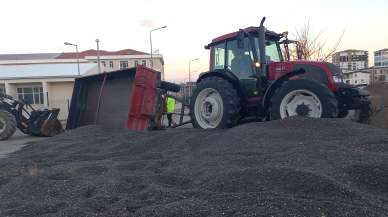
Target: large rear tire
7,125
215,104
303,98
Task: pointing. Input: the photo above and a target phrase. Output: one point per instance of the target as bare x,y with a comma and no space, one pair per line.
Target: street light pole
98,55
192,60
152,60
77,53
190,86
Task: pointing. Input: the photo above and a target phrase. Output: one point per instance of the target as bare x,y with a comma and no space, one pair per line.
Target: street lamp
152,61
192,60
190,86
77,53
98,55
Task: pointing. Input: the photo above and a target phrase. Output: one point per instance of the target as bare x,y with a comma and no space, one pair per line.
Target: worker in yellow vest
170,106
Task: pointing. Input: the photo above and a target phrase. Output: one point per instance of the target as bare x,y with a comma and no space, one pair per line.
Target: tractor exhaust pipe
263,61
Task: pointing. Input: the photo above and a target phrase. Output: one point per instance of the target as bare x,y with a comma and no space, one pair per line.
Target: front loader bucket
52,126
45,123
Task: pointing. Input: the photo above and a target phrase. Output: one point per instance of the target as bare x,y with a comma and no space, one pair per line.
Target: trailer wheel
303,98
170,86
7,125
214,104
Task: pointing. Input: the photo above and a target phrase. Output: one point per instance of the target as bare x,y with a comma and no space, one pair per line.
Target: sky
44,25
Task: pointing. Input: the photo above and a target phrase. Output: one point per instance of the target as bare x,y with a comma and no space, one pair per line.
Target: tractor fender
278,83
227,75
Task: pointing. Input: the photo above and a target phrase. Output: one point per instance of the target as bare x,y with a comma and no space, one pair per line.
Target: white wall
357,78
60,97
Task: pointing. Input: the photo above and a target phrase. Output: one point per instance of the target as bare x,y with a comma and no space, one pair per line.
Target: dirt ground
379,97
296,167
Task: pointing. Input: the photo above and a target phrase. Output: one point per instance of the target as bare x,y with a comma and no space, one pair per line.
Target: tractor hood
323,71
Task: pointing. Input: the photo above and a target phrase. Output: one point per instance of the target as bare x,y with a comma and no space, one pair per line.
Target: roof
44,70
366,71
32,56
85,53
385,49
71,55
250,29
350,50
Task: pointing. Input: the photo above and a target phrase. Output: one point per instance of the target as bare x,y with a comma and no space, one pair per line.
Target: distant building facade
381,58
351,60
358,77
46,80
379,74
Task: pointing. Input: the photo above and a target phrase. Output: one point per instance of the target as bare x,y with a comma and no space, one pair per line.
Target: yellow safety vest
170,105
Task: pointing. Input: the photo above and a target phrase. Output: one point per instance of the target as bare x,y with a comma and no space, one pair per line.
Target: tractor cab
239,52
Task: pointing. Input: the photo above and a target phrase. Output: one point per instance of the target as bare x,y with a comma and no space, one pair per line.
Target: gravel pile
296,167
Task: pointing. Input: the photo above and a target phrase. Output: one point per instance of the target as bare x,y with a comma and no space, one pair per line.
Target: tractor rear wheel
303,98
215,104
7,125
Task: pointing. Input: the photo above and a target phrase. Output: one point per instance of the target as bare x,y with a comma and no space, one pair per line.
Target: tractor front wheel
214,104
303,98
7,125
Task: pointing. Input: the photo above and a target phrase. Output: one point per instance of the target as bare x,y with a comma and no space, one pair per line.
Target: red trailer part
126,98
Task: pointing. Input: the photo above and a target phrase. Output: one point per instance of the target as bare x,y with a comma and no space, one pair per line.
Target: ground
16,142
296,167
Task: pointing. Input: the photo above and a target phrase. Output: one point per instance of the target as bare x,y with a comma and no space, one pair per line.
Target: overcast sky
29,26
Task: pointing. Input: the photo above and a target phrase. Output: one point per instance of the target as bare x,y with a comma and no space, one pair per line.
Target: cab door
239,60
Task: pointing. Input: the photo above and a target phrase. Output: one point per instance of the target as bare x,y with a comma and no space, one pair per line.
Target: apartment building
381,58
351,60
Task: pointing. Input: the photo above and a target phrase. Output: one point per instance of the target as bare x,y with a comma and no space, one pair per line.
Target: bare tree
313,46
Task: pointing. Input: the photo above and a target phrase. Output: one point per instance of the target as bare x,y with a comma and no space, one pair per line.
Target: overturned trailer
130,98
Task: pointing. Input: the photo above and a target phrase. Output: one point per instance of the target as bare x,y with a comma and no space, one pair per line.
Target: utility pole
98,55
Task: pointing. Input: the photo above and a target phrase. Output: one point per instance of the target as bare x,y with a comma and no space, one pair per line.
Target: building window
123,64
2,90
110,64
144,62
103,63
31,95
136,63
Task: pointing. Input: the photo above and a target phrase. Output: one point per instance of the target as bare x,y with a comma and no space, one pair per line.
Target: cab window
219,56
240,60
272,51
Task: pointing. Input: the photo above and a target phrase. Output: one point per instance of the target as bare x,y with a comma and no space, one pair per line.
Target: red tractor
249,78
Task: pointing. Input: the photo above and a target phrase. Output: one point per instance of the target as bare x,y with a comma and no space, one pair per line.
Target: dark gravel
295,167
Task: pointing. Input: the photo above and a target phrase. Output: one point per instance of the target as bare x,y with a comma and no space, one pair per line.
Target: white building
43,85
358,77
46,80
350,60
381,58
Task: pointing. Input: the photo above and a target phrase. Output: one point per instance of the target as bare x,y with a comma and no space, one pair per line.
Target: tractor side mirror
240,39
